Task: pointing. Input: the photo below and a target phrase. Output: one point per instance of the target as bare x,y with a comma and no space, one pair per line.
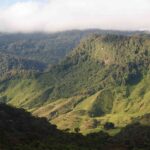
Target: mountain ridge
105,78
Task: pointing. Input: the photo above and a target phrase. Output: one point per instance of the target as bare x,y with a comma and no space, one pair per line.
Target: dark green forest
48,48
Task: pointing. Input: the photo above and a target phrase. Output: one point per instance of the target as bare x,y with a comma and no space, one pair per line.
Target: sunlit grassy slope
106,78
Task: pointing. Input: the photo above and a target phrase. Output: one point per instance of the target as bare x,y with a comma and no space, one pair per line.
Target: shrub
109,125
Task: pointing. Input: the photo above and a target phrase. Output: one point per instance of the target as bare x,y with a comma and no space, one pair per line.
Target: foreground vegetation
19,130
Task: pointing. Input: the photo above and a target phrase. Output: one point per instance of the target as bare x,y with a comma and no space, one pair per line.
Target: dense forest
46,47
39,51
10,63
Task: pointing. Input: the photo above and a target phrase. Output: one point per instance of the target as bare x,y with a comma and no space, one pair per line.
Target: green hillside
106,78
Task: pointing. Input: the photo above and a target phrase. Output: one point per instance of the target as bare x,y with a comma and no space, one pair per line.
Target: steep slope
19,130
106,78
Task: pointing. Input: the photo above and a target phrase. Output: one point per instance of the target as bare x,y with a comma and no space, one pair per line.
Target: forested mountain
48,48
106,78
10,63
19,130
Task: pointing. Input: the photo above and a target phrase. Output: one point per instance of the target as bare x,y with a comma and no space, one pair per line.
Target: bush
109,125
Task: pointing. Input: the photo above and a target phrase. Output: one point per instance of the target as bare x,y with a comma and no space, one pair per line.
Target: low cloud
54,15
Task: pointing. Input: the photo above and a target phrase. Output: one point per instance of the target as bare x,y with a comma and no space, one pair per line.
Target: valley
99,78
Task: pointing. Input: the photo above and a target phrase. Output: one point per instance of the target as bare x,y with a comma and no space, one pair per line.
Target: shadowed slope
19,130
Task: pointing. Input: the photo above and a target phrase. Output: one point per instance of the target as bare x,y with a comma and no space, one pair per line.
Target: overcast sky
54,15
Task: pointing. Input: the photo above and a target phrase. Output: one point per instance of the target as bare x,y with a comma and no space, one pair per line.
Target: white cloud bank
53,15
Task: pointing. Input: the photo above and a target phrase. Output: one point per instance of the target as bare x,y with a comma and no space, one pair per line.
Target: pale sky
57,15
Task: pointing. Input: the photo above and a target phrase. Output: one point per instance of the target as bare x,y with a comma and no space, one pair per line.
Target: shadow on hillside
19,130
